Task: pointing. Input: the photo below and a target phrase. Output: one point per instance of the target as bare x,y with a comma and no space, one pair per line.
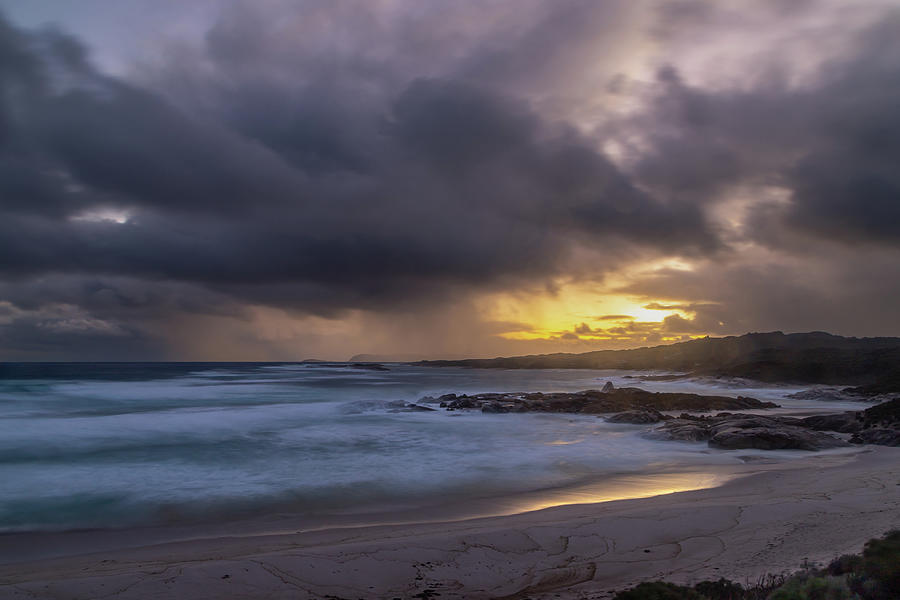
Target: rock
418,408
608,387
637,417
881,436
827,395
768,434
847,422
452,402
886,413
598,402
681,430
735,431
493,407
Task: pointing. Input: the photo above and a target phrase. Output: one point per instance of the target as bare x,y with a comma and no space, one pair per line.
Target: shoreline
34,545
768,519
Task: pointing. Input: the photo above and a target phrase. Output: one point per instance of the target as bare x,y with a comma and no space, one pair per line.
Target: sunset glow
279,180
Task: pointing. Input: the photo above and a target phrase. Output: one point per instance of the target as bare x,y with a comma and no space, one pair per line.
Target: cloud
658,306
420,195
583,329
829,142
354,186
372,165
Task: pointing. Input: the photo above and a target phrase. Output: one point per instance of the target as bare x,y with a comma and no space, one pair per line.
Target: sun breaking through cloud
281,180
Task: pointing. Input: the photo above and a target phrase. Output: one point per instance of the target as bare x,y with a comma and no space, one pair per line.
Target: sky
290,179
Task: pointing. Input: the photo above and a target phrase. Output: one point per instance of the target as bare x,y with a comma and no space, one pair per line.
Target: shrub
814,588
873,576
659,590
878,576
848,563
722,589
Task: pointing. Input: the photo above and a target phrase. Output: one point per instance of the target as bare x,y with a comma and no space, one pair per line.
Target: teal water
109,445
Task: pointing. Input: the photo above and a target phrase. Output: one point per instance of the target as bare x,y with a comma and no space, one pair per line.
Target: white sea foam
313,439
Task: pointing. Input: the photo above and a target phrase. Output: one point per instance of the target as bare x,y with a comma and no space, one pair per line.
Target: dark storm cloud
325,157
316,201
833,144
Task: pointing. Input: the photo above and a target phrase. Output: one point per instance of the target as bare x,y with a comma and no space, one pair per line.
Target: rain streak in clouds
280,180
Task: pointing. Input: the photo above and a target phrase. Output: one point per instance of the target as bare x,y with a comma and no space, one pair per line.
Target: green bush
878,577
722,589
848,563
875,575
814,588
659,590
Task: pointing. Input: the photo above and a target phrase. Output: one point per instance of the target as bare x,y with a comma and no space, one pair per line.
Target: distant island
871,365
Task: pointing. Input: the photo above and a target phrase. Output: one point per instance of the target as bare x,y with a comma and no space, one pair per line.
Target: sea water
113,445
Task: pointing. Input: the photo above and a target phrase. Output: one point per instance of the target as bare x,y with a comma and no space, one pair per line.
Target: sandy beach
769,519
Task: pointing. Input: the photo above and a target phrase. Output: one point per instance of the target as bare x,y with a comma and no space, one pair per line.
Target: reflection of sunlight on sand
623,488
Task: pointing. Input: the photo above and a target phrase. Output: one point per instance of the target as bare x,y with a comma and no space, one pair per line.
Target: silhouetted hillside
817,357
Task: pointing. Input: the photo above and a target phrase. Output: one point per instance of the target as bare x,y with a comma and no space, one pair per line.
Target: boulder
884,414
827,395
847,422
740,431
608,387
682,430
882,436
637,417
768,434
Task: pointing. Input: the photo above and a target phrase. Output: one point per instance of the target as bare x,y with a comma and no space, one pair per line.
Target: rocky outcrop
741,431
881,436
879,424
683,429
638,417
848,422
616,400
886,414
827,394
763,433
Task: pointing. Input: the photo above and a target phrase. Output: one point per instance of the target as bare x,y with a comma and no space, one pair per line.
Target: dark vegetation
870,364
872,575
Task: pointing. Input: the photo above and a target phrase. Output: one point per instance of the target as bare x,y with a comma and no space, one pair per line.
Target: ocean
86,446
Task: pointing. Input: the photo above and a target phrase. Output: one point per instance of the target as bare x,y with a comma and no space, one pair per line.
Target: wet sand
769,519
